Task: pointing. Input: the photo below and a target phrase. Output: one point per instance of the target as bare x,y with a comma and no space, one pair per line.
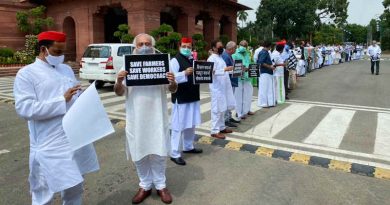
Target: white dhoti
70,196
301,68
151,171
266,90
279,89
243,94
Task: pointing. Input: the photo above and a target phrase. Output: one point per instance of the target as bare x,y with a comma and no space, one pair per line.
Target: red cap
282,42
186,40
52,36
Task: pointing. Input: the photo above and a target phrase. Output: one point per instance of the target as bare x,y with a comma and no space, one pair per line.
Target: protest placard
238,69
254,70
203,72
148,69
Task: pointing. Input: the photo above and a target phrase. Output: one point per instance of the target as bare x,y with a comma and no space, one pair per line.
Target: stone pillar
210,29
186,24
142,21
97,28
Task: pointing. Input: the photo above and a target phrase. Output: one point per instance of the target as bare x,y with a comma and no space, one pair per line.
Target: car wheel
99,84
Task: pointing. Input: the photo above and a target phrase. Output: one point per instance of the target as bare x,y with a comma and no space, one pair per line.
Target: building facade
95,21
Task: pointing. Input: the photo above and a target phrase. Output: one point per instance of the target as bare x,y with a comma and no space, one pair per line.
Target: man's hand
172,83
70,92
189,71
121,76
229,68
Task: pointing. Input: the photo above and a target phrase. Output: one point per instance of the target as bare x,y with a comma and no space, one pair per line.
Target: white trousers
70,196
217,122
243,95
151,171
266,90
279,89
185,137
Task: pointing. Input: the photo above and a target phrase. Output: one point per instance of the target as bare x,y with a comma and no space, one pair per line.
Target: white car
102,62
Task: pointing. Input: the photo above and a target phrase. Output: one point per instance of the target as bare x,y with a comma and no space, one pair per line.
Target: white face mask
54,60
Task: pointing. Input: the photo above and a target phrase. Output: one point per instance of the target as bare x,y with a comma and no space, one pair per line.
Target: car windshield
97,52
124,50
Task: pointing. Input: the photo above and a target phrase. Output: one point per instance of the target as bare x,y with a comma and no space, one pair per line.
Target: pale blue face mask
185,52
54,60
145,50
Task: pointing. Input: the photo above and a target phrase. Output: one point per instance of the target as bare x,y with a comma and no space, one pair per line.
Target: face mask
241,49
54,60
144,50
185,51
220,50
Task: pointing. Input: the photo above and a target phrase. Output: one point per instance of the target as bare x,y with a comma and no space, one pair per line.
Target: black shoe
377,74
193,151
178,161
230,124
234,121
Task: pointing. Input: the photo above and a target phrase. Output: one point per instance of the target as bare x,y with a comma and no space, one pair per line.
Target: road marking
332,128
113,99
382,141
4,151
336,105
273,125
337,151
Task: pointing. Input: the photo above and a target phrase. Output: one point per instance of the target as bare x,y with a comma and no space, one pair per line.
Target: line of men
46,89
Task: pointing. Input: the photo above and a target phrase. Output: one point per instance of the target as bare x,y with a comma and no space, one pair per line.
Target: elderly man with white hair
147,127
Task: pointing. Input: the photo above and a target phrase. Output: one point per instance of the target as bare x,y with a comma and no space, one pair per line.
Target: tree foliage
385,23
357,33
123,34
166,39
329,35
33,21
242,16
293,19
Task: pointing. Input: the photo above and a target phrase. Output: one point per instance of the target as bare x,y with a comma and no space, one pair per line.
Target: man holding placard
222,98
267,82
244,91
374,51
185,103
147,125
44,91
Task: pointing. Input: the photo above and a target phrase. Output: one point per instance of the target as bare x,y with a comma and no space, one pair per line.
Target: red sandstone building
95,21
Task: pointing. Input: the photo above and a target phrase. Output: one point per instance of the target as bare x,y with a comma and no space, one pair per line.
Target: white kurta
147,125
222,97
39,90
186,115
279,77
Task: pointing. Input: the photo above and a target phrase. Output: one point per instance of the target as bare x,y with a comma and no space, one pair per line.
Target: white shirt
277,59
256,55
186,115
39,90
222,97
374,51
147,125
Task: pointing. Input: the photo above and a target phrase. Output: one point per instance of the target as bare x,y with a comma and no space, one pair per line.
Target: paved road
339,112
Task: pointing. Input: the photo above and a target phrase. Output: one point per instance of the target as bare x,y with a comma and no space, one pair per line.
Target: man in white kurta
185,104
44,91
147,127
222,98
374,51
279,73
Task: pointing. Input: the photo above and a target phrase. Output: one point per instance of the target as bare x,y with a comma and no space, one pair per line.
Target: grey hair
230,45
243,42
142,34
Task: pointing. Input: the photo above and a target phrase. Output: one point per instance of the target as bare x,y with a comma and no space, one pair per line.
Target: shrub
6,52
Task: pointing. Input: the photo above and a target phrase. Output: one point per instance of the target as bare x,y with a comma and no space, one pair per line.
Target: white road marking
382,141
336,105
273,125
332,128
113,99
4,151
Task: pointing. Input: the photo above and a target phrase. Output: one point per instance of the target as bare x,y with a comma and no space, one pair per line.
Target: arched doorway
113,17
169,15
69,27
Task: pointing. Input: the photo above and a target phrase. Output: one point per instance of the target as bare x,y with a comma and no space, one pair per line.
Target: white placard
86,121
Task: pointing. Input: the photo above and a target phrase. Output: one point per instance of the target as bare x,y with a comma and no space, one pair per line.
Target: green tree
385,23
33,21
200,46
328,34
357,33
123,34
293,19
166,39
242,16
